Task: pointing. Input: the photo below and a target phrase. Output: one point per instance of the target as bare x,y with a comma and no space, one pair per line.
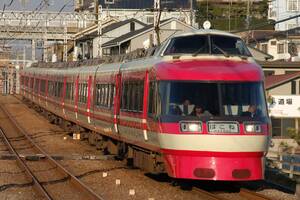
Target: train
194,107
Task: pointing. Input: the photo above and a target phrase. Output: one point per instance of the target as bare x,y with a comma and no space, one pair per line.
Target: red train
196,108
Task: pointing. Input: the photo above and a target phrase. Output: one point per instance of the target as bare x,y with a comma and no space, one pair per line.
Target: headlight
253,128
190,126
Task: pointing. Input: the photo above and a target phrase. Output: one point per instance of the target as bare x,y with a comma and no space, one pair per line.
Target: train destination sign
223,127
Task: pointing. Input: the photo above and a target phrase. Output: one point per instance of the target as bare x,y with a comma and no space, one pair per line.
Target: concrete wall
279,7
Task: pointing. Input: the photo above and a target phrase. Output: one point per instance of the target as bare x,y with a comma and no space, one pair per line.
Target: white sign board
286,106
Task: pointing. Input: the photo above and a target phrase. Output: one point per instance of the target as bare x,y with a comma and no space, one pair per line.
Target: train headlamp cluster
186,126
252,128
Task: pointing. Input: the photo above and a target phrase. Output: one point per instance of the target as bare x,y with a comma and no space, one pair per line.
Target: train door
116,102
104,101
131,118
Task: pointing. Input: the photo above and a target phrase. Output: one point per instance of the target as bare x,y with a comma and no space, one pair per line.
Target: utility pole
46,33
99,21
229,17
65,58
157,14
191,12
248,20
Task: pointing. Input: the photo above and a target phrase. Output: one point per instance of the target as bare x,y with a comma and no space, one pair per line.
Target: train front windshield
207,44
206,100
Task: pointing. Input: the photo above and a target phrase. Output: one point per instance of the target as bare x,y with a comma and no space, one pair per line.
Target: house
143,10
259,55
89,41
282,9
143,37
282,45
279,67
283,95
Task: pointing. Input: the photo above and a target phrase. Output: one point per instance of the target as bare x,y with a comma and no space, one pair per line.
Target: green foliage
294,134
218,14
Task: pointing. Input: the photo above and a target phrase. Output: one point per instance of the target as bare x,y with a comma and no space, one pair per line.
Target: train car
195,109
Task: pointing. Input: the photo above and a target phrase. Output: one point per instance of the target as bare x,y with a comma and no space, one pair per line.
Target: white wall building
282,9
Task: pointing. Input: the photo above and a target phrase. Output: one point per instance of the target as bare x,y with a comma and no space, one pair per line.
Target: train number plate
223,127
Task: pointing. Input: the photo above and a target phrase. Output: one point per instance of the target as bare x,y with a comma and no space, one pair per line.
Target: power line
7,5
266,24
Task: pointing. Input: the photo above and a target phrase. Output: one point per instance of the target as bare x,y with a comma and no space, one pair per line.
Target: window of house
280,48
273,43
276,127
293,87
287,123
280,127
291,26
150,19
264,48
292,5
269,73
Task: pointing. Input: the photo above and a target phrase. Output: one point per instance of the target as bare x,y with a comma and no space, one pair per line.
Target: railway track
250,195
38,180
244,194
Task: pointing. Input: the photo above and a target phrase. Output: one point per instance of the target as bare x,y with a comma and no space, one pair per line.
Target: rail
37,185
208,195
250,195
74,180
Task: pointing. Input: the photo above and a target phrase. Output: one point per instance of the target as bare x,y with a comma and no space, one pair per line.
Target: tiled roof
129,35
144,4
110,27
276,80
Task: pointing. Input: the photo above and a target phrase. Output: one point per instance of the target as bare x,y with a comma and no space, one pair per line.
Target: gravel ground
108,178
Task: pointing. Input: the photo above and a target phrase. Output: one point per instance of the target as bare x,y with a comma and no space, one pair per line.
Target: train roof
206,32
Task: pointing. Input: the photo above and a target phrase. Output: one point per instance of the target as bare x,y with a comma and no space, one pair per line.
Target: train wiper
200,50
221,50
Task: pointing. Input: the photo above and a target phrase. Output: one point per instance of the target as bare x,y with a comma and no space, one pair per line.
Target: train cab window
50,88
132,96
36,85
188,45
104,95
58,89
69,91
22,80
228,46
151,100
43,86
83,92
31,83
207,44
215,99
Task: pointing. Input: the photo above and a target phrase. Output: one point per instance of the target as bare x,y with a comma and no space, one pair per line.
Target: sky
30,5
